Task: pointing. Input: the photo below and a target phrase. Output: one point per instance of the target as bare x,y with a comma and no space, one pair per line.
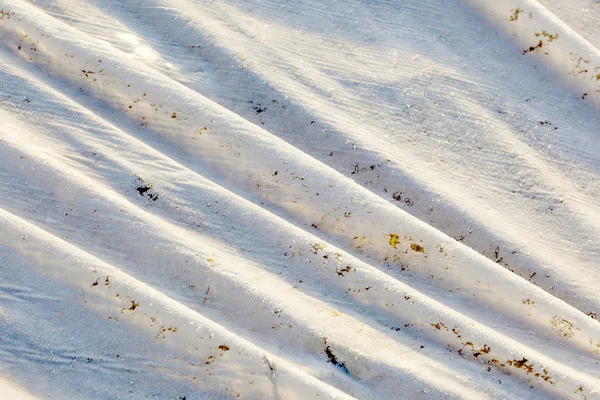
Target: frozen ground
299,199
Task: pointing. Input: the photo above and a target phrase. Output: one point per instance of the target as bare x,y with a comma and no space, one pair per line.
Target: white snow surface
270,199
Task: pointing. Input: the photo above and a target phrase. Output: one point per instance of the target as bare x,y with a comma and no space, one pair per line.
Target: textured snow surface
270,199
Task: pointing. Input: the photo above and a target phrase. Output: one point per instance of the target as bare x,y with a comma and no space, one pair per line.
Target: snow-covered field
372,199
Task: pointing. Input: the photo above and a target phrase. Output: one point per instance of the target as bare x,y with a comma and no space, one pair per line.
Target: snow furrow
227,211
